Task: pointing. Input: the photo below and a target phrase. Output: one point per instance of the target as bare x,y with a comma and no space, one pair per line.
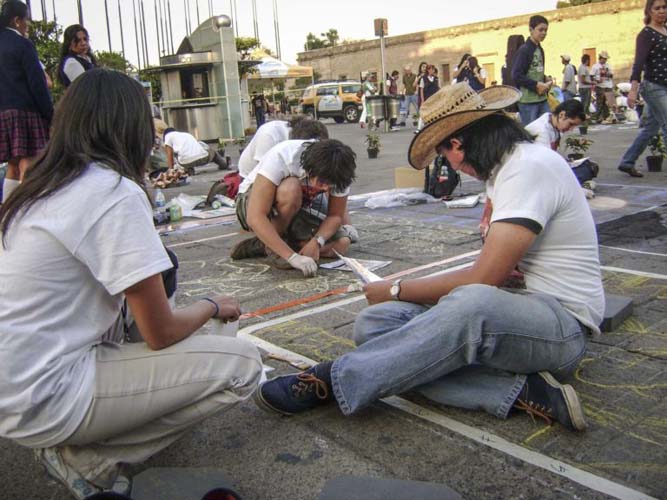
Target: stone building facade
591,28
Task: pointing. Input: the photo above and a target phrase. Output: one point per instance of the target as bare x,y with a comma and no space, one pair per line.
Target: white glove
304,264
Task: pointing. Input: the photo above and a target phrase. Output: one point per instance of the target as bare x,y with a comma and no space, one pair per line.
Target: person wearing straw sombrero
458,338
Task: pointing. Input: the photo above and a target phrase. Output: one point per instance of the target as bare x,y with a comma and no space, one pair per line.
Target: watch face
394,290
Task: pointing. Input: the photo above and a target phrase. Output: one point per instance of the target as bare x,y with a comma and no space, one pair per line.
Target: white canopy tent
273,69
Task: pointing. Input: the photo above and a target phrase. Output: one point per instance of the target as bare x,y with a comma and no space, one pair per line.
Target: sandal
631,171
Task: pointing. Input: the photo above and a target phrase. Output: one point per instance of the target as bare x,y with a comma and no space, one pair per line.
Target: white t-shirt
600,74
544,131
267,136
73,68
186,147
536,183
282,160
62,276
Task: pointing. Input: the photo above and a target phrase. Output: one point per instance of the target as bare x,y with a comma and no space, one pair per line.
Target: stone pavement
622,381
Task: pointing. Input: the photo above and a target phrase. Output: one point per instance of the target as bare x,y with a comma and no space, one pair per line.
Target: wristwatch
395,289
320,241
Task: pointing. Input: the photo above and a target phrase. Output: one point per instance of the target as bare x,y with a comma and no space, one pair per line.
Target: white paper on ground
340,265
210,214
362,274
465,202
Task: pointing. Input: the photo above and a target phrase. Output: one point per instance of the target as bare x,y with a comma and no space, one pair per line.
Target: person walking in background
651,59
428,85
78,238
25,102
370,88
605,100
76,56
585,82
259,108
569,78
392,90
528,72
473,74
410,92
421,72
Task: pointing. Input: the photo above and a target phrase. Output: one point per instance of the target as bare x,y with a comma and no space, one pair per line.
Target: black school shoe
631,171
297,392
544,397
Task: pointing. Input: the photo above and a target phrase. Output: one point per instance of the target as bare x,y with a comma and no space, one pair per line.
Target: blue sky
352,18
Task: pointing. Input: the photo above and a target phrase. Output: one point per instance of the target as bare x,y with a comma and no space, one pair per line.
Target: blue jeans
654,117
567,95
532,111
471,350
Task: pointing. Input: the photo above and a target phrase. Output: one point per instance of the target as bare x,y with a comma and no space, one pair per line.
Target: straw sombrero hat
450,109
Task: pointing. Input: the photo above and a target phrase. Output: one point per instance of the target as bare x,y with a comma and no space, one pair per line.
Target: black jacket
521,64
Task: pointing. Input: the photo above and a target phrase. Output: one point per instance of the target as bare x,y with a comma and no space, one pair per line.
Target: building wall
610,26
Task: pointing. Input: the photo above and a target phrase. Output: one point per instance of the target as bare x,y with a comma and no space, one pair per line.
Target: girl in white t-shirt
78,239
548,128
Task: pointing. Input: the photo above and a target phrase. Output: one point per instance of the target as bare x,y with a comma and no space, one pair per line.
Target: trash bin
393,107
375,105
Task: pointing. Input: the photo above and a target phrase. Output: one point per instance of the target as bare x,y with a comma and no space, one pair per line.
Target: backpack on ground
442,179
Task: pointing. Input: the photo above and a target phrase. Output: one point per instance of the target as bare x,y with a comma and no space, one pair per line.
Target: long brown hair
104,117
647,11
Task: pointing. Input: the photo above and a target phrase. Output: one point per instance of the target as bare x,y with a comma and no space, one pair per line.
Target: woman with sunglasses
76,56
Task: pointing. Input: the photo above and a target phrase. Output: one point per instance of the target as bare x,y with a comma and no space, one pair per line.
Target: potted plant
583,128
578,146
657,151
373,144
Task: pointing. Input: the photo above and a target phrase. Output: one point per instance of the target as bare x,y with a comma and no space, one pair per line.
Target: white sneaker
58,469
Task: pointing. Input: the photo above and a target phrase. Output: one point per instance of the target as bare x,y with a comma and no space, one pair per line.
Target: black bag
587,171
442,179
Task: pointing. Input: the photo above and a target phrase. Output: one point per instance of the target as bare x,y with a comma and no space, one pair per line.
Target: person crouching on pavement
78,239
295,201
185,150
457,337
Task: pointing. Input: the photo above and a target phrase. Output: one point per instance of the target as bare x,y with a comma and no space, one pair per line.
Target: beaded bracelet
217,307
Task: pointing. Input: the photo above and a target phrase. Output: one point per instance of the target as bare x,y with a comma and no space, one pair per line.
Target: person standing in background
569,78
392,90
605,100
25,103
651,59
428,85
259,109
76,56
585,82
410,92
473,74
528,72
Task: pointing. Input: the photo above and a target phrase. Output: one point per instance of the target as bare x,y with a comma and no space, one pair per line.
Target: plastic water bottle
159,198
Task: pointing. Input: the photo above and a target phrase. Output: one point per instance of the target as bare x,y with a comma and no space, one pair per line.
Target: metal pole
136,33
106,15
197,7
224,78
80,11
188,28
157,31
236,24
53,4
44,18
385,102
120,23
276,27
163,26
171,32
144,34
254,19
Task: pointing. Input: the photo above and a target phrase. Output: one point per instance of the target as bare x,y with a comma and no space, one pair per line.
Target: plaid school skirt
22,134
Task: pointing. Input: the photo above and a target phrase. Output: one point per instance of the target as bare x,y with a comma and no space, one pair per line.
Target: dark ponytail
10,10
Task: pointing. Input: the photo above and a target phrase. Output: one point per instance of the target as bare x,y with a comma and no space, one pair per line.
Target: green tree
332,37
245,46
312,42
45,35
113,60
148,75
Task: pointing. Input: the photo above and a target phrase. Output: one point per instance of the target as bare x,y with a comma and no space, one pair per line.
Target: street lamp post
220,23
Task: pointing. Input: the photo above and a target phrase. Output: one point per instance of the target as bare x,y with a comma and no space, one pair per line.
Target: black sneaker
544,397
248,249
298,392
